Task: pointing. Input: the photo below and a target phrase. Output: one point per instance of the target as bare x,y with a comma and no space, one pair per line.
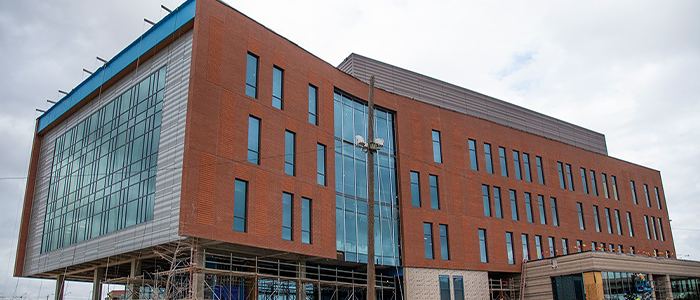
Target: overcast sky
628,69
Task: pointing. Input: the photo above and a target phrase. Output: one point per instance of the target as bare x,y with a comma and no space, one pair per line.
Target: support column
301,274
653,286
197,284
667,287
97,283
132,290
60,284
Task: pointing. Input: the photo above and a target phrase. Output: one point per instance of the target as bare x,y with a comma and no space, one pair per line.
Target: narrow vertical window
584,181
594,184
516,165
509,248
321,164
487,157
473,158
526,167
277,84
617,221
614,185
658,199
543,215
415,189
581,222
560,168
646,195
313,105
540,171
437,149
253,140
596,218
504,163
646,226
444,243
634,192
629,224
526,249
579,245
487,201
661,231
555,211
434,192
653,227
445,287
497,202
570,177
528,207
538,246
240,200
482,246
458,287
607,217
289,147
306,220
552,246
287,216
632,250
428,240
513,205
251,76
564,246
604,177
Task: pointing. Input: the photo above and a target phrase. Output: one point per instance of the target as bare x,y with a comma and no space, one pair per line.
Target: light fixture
149,21
165,8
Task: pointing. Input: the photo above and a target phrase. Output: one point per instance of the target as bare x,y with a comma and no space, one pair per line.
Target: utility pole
371,149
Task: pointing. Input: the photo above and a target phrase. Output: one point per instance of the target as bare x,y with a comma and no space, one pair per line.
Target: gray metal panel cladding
432,91
164,226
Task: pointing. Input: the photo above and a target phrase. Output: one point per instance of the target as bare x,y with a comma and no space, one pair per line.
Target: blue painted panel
164,28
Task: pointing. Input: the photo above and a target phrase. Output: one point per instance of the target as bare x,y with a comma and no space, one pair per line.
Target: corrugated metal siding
429,90
164,227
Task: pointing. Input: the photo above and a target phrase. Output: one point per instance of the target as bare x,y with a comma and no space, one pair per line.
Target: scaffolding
504,288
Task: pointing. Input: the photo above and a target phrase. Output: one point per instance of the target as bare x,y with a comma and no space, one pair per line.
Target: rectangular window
607,217
581,222
526,249
458,284
289,150
445,287
473,158
538,246
646,226
653,227
497,202
552,246
277,84
516,165
437,152
661,231
632,250
528,207
287,216
579,245
487,158
251,76
562,182
526,167
444,244
570,177
487,200
509,248
321,164
313,105
555,211
543,214
629,224
306,220
415,188
646,195
428,240
596,218
594,184
434,192
564,246
584,181
253,140
540,171
482,246
617,221
605,185
240,200
504,163
634,192
658,199
614,185
513,205
594,246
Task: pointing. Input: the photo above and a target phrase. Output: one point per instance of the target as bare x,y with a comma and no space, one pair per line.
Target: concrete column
132,290
60,283
197,284
653,286
97,283
668,291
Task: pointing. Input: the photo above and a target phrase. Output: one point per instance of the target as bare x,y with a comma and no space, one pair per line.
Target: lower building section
445,284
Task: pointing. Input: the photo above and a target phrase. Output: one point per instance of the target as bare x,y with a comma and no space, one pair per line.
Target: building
213,158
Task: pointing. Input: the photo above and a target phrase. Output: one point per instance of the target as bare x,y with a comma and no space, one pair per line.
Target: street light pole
371,149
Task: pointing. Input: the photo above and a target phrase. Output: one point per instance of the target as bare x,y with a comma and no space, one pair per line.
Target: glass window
287,216
564,246
596,218
504,164
473,158
516,164
604,177
313,105
614,185
570,177
646,195
434,192
428,240
540,172
646,226
513,205
321,164
579,245
526,167
253,140
629,224
277,84
528,208
552,247
526,251
445,287
487,158
306,220
487,200
289,149
497,202
555,211
581,223
240,203
437,152
653,226
444,245
594,185
607,217
509,248
415,188
658,199
482,246
251,77
661,230
634,192
560,168
617,221
584,181
538,246
543,215
458,287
